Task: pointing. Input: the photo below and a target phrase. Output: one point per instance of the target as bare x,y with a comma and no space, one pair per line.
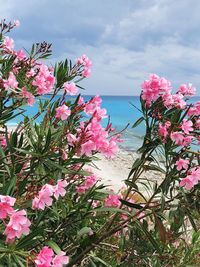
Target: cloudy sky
125,39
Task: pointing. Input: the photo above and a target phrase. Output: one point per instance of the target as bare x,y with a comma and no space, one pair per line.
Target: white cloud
126,42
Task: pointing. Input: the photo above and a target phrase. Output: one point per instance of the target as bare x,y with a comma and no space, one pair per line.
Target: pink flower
71,138
187,182
191,179
60,259
17,226
188,90
3,141
29,96
86,73
70,88
112,201
163,129
187,126
187,140
182,164
90,181
6,203
20,55
11,82
87,148
8,43
63,112
59,189
111,149
154,87
178,101
44,258
30,73
86,63
81,189
44,198
178,138
44,80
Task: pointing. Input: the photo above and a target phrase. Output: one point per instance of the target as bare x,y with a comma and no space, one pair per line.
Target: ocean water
121,112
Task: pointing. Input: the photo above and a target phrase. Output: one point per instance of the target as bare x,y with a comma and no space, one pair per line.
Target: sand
114,171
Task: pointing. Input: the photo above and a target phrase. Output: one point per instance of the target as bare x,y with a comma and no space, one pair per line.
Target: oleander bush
54,210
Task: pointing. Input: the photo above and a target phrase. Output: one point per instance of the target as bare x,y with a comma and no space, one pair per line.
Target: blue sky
125,39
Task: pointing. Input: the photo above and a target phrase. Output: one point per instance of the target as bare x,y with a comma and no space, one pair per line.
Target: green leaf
97,259
140,120
54,246
153,167
110,209
132,205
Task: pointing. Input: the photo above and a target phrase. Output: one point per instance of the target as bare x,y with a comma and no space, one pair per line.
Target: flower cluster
18,224
157,87
44,80
44,197
91,137
86,63
47,258
156,94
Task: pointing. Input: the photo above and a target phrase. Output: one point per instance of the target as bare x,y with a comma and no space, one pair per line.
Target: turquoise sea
121,113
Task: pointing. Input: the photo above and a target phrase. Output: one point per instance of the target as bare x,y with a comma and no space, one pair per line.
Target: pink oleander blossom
30,98
154,87
70,88
45,257
63,112
187,90
87,148
18,225
3,141
191,179
112,201
60,260
11,82
163,129
20,55
178,138
44,80
182,164
59,188
6,206
71,139
44,198
8,44
187,126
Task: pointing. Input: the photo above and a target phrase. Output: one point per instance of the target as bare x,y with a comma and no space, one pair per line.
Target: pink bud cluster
63,112
44,197
86,63
47,258
18,224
